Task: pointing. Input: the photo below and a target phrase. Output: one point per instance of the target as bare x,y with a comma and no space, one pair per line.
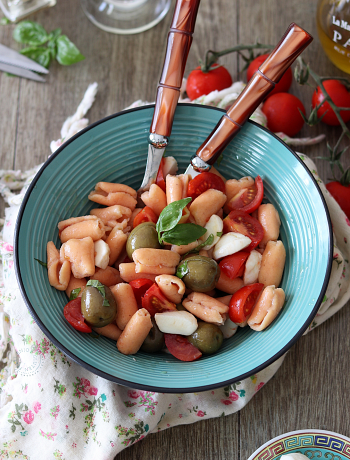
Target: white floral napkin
51,407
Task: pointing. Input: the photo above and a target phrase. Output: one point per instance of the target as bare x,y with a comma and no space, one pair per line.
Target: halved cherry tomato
232,265
154,301
241,222
72,313
203,182
140,286
200,83
339,95
160,180
248,199
243,301
146,215
181,348
282,86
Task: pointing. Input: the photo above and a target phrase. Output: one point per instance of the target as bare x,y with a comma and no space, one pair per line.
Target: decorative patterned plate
115,150
314,444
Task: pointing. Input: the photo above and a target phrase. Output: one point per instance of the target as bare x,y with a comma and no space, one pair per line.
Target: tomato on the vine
204,182
243,301
341,194
282,86
241,222
282,112
232,265
139,287
339,95
181,348
72,313
154,301
200,83
146,215
248,199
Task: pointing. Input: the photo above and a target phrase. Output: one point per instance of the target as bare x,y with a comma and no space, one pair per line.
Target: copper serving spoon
292,44
168,90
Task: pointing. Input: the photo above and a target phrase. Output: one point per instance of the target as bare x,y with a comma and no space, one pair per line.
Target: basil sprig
208,241
101,289
182,269
168,227
74,293
44,264
43,46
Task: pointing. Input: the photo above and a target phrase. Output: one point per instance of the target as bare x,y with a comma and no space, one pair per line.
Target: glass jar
15,10
333,26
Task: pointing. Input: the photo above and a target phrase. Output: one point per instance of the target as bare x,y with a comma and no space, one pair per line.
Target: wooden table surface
311,389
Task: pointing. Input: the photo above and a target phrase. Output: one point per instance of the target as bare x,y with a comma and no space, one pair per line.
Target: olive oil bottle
333,26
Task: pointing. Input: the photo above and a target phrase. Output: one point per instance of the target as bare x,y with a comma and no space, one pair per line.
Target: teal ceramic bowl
115,150
316,444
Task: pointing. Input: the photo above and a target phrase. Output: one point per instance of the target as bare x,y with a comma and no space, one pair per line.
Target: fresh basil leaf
55,34
101,289
4,21
30,33
171,215
182,269
208,241
39,54
41,263
74,294
183,234
219,234
67,52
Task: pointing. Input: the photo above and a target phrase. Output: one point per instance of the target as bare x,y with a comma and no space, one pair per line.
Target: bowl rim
292,433
153,388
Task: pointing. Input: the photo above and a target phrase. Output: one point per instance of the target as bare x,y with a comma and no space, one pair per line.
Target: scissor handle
292,44
178,47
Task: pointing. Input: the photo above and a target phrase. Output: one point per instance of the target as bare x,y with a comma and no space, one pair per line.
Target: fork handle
292,44
178,47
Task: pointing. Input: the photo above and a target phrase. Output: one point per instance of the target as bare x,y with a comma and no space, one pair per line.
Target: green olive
154,341
202,274
207,338
92,308
143,236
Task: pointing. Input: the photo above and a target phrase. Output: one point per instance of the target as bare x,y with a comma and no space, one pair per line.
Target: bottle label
338,35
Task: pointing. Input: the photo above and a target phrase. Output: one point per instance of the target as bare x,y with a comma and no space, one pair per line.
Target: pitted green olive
207,338
143,236
92,308
154,341
202,273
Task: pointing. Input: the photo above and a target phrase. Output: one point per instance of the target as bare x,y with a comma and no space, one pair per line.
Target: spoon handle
178,47
292,44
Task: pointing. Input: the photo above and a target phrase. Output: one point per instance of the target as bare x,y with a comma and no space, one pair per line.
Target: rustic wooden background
311,389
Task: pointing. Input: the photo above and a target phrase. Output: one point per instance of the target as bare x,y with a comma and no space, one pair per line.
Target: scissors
17,64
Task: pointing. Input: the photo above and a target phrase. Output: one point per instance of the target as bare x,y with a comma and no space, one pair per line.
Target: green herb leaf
67,52
171,215
182,269
219,234
30,33
208,241
74,294
183,234
101,288
55,34
4,21
39,54
41,263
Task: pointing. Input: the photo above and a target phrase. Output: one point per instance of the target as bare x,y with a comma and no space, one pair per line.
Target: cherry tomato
341,194
282,86
140,286
339,95
72,313
200,83
160,181
232,265
203,182
241,222
282,112
154,301
181,348
146,215
243,301
248,199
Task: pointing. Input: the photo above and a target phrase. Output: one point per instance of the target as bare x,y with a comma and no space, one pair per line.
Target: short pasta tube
135,332
108,276
268,306
81,227
81,254
272,264
75,283
173,189
112,215
206,308
128,273
126,302
155,198
207,204
270,222
59,272
111,331
116,241
155,261
110,194
172,287
225,284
